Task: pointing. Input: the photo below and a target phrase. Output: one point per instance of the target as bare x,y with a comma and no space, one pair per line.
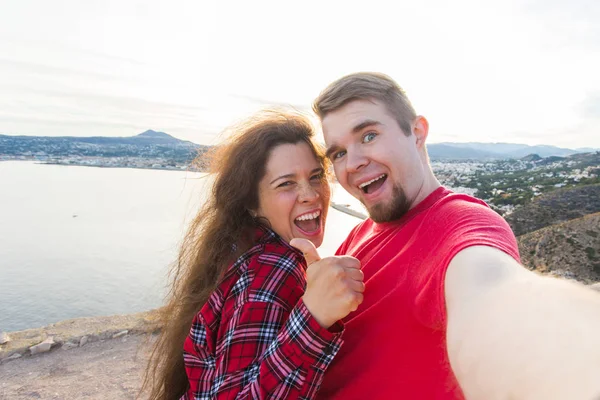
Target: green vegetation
591,253
518,182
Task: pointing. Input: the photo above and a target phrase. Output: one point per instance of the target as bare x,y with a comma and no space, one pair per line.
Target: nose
355,160
307,193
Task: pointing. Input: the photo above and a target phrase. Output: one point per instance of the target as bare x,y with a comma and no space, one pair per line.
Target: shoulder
458,205
466,221
269,255
276,256
276,275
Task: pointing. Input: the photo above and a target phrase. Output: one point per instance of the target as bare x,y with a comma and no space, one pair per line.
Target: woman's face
294,194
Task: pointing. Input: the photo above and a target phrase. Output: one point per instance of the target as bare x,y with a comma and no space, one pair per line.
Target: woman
239,323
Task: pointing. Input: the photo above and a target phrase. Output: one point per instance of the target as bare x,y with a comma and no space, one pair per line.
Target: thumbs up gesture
334,285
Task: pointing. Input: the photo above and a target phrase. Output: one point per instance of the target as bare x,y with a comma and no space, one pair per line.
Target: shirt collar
264,234
426,203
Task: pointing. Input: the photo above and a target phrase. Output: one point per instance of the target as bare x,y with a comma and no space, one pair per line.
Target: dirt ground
109,369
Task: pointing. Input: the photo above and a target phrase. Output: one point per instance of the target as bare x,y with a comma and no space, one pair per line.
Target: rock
83,341
43,347
13,357
118,335
595,286
4,338
69,345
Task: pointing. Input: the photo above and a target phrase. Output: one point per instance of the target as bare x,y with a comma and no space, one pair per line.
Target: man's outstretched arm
513,334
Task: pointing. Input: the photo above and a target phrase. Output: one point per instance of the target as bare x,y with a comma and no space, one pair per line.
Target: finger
355,274
307,248
350,262
358,298
355,300
356,286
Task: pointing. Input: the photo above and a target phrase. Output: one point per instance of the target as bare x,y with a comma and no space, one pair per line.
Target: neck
428,186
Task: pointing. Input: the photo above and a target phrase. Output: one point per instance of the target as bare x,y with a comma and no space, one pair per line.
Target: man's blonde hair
367,86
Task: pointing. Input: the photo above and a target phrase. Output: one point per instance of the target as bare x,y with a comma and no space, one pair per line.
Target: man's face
373,159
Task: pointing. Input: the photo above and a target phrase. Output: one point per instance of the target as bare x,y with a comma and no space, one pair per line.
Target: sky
502,71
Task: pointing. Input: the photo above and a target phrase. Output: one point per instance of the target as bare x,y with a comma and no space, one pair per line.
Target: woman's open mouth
372,185
309,223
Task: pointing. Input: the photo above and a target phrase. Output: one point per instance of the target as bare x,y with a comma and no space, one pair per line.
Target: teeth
306,217
362,185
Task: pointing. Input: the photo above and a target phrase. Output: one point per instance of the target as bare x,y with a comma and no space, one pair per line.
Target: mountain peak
531,157
154,134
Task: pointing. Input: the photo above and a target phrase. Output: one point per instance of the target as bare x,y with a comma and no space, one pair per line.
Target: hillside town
507,184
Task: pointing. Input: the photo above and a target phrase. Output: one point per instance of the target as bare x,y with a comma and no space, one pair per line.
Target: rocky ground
570,249
84,358
103,370
555,207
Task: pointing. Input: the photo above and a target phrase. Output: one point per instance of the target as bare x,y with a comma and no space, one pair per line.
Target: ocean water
83,241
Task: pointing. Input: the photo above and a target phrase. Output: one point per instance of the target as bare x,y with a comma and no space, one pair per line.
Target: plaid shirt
255,338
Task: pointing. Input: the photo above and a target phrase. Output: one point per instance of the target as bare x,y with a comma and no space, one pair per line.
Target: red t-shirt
395,343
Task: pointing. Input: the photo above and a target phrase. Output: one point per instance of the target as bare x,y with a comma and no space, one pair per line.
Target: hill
495,151
569,249
555,207
151,145
156,135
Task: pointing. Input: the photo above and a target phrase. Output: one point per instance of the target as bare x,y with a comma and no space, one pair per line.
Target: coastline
73,333
180,168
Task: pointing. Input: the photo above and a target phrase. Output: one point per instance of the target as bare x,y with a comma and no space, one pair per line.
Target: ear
420,129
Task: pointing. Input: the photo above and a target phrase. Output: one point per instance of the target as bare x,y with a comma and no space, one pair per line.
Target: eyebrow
320,169
357,128
365,124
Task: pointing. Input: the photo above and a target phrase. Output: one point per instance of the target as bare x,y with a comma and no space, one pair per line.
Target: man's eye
339,154
369,136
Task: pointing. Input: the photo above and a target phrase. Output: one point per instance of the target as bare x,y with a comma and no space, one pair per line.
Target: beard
394,209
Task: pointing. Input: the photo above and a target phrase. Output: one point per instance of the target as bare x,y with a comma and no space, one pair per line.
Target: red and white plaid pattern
255,338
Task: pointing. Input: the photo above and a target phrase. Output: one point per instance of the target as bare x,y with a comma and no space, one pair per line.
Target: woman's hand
334,285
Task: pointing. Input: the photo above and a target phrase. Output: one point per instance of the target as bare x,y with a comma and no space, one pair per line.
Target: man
448,311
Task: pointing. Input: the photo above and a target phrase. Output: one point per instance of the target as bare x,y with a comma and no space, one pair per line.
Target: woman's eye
369,136
284,184
339,154
318,176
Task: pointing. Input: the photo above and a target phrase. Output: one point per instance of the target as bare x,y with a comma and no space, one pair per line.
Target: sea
88,241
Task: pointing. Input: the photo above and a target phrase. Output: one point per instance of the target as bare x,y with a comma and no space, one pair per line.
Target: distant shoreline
119,166
64,164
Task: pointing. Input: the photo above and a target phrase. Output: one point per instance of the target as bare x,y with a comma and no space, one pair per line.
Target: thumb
307,248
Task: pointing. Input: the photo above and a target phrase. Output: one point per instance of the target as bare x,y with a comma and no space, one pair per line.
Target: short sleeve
456,225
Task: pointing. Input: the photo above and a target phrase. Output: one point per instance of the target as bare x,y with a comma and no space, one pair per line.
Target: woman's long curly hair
219,234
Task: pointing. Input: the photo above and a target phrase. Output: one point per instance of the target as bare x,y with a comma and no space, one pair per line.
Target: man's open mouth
373,184
309,222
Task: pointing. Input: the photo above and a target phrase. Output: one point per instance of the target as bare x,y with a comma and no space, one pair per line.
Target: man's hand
334,285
